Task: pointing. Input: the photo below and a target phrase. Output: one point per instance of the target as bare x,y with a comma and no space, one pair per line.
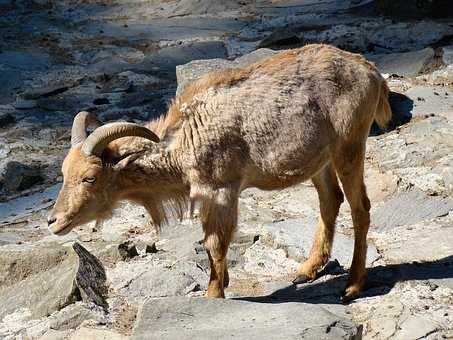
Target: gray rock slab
168,58
17,262
23,206
25,61
199,318
179,28
424,242
43,293
408,208
16,176
153,281
87,333
430,100
406,64
296,237
193,70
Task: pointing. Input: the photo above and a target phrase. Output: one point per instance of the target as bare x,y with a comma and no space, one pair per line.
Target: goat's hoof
302,278
351,293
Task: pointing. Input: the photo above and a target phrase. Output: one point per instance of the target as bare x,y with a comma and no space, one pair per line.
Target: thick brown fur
301,114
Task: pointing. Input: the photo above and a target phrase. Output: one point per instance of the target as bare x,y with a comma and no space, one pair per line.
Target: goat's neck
152,174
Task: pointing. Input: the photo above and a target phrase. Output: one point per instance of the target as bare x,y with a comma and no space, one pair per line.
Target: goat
298,115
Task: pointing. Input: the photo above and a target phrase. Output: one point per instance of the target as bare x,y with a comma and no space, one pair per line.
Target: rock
25,61
54,104
151,248
161,281
295,236
280,37
415,327
18,262
408,208
6,119
42,293
424,242
188,318
127,250
406,64
138,79
193,70
74,315
47,291
43,92
52,334
25,104
421,9
91,278
101,101
430,103
15,176
168,58
442,77
86,333
20,208
399,36
447,55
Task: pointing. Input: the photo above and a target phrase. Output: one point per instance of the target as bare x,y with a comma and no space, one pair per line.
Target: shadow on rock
402,107
381,280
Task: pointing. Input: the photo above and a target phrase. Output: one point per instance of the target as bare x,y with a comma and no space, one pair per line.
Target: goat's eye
90,179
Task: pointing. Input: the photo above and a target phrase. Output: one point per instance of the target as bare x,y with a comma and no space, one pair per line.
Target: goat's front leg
219,219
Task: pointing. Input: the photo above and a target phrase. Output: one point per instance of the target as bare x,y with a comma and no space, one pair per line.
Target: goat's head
89,183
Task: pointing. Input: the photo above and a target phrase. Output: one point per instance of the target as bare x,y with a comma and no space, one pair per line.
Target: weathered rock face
406,64
15,176
223,319
43,280
118,59
193,70
420,9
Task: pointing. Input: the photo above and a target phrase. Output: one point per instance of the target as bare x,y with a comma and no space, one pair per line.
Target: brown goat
301,114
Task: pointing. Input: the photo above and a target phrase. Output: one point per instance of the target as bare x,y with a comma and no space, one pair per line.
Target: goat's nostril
51,220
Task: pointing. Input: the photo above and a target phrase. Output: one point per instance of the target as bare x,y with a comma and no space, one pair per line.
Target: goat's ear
124,162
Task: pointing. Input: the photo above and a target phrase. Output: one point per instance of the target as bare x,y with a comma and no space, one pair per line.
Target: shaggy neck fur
156,182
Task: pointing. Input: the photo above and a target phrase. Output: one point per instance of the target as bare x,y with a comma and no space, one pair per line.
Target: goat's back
279,118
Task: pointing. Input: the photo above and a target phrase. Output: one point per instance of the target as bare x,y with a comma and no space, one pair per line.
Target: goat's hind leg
349,163
219,219
330,199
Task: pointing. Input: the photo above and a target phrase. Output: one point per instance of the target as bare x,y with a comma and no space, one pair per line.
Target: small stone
151,249
127,250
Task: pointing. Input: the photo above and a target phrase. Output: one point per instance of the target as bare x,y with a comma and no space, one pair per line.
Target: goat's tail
383,111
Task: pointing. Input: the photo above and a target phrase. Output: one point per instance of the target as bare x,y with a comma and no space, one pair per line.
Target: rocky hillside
125,60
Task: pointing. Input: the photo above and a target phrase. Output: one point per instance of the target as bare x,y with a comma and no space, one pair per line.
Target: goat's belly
278,172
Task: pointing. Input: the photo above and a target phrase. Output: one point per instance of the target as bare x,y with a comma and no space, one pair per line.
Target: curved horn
102,136
81,121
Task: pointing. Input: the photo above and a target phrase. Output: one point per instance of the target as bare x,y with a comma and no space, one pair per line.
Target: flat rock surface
404,64
125,60
225,319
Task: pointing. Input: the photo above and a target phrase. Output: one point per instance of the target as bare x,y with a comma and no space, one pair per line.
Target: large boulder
406,64
195,318
16,176
193,70
48,287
